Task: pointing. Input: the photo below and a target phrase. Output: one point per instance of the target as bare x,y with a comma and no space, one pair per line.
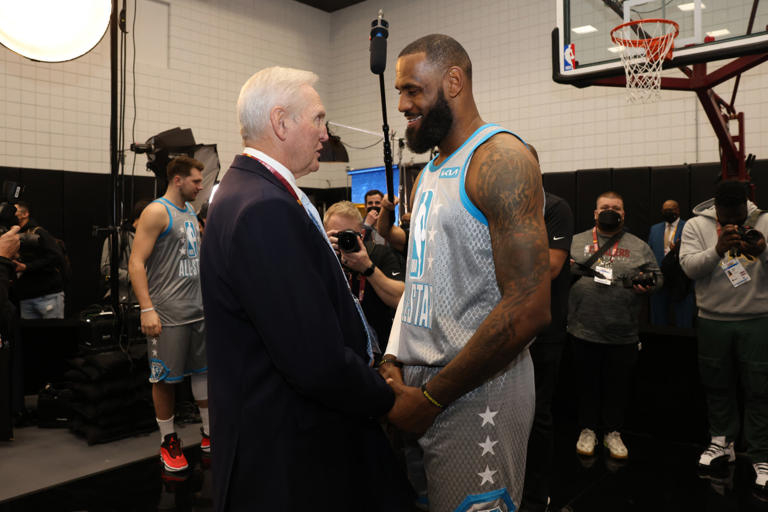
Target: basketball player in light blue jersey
165,272
477,289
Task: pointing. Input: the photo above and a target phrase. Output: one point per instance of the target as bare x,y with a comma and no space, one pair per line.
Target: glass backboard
710,30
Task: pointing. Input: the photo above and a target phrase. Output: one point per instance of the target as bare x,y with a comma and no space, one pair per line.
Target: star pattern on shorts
487,446
488,416
487,475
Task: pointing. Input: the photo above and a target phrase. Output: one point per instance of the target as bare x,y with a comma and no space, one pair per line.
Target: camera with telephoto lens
640,279
348,240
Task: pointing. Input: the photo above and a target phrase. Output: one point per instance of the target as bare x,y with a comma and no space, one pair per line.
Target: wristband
147,310
392,360
430,397
369,271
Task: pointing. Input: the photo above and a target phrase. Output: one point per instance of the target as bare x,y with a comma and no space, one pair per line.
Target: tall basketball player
165,273
477,288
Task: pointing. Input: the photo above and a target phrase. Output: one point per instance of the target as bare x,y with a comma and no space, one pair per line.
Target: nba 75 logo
419,234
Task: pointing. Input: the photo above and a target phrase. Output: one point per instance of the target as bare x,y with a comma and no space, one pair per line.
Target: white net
643,48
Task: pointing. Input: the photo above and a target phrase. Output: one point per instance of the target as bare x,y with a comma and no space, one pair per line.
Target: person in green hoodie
723,251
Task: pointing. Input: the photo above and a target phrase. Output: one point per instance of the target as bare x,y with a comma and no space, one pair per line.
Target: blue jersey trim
165,201
431,165
465,200
474,499
170,217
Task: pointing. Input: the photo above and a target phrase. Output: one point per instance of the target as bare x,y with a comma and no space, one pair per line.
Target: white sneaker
586,443
718,451
615,445
761,472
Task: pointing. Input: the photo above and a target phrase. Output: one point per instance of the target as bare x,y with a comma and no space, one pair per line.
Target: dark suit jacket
292,398
656,238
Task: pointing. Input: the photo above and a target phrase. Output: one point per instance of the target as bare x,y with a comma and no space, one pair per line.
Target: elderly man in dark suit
294,398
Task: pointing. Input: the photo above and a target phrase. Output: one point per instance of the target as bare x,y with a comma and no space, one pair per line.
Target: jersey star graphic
488,416
487,446
154,353
487,475
432,234
429,263
154,341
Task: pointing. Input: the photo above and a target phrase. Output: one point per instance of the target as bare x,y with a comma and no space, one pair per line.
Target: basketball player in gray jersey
477,289
165,272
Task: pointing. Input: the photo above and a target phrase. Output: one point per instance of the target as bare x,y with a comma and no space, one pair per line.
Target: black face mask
608,220
669,216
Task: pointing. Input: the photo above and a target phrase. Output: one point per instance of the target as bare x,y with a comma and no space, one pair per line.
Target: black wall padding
704,179
669,182
589,184
562,184
634,185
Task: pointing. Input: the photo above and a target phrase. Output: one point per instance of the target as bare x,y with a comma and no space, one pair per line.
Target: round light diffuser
53,30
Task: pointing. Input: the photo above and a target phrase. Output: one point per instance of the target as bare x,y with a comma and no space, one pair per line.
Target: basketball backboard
710,30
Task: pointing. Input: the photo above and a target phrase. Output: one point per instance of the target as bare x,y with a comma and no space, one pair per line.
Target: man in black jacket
40,287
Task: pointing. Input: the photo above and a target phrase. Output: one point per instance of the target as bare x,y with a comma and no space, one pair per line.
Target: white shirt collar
277,166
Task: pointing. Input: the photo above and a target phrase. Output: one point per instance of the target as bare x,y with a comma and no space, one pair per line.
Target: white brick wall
56,116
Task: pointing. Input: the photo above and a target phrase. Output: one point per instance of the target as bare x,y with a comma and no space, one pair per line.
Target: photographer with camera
723,251
615,270
373,210
373,270
9,247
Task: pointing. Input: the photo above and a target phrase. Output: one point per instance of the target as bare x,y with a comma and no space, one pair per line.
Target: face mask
669,216
608,220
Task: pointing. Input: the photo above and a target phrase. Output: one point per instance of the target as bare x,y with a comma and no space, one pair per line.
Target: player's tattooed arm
504,182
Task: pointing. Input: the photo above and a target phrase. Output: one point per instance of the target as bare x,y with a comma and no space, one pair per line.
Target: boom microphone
379,33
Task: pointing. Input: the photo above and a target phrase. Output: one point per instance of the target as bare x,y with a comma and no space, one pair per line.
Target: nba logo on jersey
569,57
191,231
419,234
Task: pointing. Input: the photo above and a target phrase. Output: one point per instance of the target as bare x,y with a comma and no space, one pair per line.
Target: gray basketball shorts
474,453
178,351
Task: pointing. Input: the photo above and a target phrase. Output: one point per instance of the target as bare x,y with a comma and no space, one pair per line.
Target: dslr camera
348,240
641,279
748,235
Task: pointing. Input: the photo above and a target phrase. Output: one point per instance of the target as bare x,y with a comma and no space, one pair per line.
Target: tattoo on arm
505,184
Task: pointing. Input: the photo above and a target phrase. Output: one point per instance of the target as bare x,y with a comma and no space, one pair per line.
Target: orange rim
650,44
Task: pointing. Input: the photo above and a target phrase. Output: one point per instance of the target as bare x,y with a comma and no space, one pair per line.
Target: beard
435,126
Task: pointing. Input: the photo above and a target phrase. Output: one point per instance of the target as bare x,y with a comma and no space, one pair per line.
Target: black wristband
369,271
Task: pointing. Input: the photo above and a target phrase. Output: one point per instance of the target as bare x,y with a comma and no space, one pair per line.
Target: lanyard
277,175
596,246
361,286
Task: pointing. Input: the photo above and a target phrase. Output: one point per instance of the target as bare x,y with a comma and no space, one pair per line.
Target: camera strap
614,240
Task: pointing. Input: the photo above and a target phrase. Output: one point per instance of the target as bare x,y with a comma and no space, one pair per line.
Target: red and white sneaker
171,454
205,443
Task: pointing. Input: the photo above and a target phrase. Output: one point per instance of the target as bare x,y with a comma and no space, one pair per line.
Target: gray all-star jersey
450,285
173,268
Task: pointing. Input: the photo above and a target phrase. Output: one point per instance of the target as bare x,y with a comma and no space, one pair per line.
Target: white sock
166,427
206,420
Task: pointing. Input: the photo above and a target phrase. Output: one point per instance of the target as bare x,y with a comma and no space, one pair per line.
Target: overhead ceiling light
689,6
718,33
53,30
585,29
616,49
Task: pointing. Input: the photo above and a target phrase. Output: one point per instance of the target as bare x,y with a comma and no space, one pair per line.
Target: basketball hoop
644,45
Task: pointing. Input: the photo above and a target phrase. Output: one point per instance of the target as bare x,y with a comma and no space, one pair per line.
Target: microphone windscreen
378,54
